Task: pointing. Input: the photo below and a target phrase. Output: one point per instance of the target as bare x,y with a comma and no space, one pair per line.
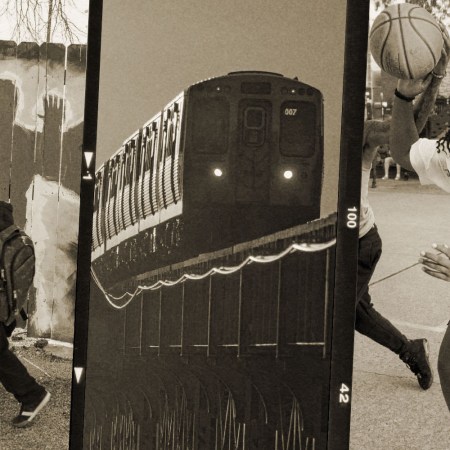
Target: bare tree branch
41,20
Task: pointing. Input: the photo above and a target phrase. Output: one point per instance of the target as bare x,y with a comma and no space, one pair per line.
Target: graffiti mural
41,129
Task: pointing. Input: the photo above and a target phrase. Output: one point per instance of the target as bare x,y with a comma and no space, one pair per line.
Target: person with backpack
16,276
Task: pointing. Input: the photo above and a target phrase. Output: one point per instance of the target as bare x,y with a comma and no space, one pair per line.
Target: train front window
255,118
254,126
211,125
298,128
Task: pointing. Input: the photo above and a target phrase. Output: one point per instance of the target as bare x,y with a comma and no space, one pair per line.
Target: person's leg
373,325
399,168
374,172
369,321
14,375
444,366
387,163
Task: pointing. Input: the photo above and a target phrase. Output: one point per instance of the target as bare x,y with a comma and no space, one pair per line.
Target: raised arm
425,104
403,127
408,121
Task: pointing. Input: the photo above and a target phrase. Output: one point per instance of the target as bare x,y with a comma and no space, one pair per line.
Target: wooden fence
41,129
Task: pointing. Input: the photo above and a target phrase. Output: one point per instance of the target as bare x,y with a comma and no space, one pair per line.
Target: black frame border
349,192
81,324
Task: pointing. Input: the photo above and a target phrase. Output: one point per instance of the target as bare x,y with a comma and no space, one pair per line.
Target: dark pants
14,375
368,321
444,366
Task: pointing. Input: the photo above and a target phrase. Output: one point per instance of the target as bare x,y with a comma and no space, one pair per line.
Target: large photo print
213,320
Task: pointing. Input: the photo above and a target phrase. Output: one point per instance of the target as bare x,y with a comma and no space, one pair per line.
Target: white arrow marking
88,156
78,372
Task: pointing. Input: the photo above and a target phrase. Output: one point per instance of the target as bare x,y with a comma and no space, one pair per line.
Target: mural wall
41,130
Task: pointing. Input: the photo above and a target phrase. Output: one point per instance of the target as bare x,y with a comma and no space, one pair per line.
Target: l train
230,159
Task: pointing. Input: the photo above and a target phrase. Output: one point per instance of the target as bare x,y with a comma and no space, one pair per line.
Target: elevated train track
236,359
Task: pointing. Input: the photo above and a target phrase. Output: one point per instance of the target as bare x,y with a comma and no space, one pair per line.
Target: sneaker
29,412
416,358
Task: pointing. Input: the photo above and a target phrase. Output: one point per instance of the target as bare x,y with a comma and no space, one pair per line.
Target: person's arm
407,122
403,131
376,134
424,105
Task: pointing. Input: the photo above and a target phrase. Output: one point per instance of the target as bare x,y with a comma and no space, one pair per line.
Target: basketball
406,41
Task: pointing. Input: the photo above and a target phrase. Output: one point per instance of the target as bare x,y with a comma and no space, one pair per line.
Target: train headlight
218,172
288,174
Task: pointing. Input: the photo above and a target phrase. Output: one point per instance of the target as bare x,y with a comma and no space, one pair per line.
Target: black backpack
17,268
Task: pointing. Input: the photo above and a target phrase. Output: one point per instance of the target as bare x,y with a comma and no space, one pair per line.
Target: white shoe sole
32,415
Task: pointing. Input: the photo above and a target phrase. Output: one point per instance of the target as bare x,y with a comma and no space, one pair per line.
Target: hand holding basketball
412,88
441,66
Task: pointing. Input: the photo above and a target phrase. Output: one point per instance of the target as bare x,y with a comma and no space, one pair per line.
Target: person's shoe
397,177
29,412
416,358
385,177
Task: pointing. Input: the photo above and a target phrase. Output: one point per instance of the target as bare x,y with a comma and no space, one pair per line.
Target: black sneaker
416,358
29,412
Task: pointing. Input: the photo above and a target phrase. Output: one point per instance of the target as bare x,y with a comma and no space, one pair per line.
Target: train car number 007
290,111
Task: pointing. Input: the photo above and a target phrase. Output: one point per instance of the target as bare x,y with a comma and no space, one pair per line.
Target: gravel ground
50,429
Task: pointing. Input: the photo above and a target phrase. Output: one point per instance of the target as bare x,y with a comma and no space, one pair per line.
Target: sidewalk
389,410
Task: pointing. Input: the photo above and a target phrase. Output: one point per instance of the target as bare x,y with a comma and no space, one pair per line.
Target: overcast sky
152,50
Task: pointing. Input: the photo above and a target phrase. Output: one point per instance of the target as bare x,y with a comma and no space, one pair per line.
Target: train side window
211,123
152,151
298,128
113,184
131,162
125,164
169,147
128,168
162,147
148,148
122,171
97,194
146,155
143,151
